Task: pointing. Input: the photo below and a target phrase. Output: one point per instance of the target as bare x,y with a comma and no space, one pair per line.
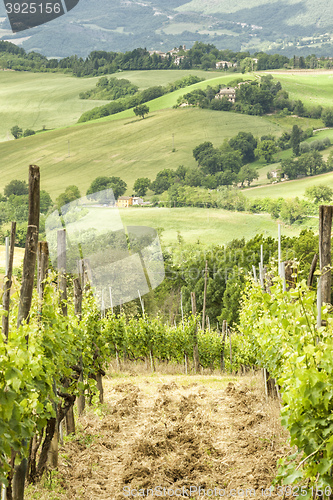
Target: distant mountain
286,26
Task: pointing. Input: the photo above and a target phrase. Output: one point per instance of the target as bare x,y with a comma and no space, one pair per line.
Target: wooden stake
279,249
205,297
7,255
8,282
181,308
62,286
42,268
312,269
34,196
29,265
319,302
325,229
230,348
224,331
78,312
196,360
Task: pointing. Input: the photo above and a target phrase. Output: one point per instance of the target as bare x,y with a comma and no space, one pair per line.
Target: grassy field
290,189
128,147
312,87
208,226
34,100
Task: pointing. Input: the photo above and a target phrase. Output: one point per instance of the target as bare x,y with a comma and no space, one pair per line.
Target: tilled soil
159,438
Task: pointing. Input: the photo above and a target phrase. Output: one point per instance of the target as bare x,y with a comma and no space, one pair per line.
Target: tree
319,194
295,139
201,150
16,131
193,177
247,174
102,183
28,132
266,149
45,201
246,143
118,186
163,181
292,210
141,110
18,188
327,117
141,186
70,194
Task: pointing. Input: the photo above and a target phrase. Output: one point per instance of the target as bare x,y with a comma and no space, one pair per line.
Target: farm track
167,434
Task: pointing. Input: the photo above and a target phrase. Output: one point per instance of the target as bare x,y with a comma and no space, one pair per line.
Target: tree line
132,100
200,55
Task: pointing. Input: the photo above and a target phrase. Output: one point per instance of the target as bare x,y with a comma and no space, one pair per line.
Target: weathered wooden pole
325,229
62,286
81,402
42,268
61,254
8,282
279,249
34,196
205,297
312,270
224,332
195,339
29,265
230,348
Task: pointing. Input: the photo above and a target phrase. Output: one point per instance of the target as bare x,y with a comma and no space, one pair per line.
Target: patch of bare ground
176,433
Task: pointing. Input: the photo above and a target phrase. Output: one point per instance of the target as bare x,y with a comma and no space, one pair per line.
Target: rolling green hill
127,147
209,226
312,87
122,144
290,189
32,100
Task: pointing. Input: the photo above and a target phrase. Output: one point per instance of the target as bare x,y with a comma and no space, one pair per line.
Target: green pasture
288,122
34,100
312,87
144,79
129,148
170,100
205,225
289,189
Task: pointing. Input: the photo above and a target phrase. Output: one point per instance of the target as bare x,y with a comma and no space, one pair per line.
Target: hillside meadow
129,147
207,226
313,87
34,100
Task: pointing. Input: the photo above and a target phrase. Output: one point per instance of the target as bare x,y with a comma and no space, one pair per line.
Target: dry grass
171,430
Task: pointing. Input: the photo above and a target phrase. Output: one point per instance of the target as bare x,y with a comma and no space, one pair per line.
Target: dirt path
178,433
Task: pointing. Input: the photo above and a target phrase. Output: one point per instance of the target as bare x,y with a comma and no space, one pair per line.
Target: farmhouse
136,200
228,92
224,64
124,201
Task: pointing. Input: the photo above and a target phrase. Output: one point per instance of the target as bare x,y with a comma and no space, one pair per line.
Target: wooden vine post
8,283
205,298
224,333
29,265
325,229
78,312
195,343
62,286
